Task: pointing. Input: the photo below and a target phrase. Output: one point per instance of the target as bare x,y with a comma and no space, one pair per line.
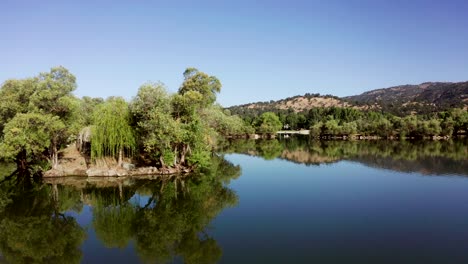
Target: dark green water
277,201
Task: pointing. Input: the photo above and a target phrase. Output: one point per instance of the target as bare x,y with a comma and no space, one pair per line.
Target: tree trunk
54,157
55,193
22,162
182,154
120,162
175,156
161,160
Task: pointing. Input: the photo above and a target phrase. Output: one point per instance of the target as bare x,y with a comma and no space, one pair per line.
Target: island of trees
40,118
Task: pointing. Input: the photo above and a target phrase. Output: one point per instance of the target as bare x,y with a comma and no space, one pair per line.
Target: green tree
28,136
35,116
268,123
332,127
53,94
111,131
15,96
349,128
157,130
197,81
447,126
316,130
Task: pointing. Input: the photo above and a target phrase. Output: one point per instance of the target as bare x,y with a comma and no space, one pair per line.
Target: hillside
297,104
422,98
400,100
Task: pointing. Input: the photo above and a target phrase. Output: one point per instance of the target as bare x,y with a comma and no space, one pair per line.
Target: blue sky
260,50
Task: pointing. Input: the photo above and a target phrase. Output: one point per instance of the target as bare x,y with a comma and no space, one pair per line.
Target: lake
289,200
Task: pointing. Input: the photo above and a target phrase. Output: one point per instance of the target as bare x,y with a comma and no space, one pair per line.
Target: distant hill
422,98
400,100
297,104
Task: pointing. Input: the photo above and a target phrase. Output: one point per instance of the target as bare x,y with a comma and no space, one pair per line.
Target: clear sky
260,50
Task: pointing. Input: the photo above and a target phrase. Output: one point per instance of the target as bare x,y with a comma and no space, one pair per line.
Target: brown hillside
300,103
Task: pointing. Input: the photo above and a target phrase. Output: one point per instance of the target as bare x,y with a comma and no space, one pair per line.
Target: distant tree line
339,121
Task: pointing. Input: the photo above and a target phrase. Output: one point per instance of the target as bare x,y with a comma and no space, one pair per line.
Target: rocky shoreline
72,163
114,172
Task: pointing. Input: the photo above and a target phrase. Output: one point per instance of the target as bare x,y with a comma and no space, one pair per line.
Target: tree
53,94
331,127
35,115
158,131
111,131
447,126
15,96
316,130
224,123
349,128
28,136
268,123
460,118
201,82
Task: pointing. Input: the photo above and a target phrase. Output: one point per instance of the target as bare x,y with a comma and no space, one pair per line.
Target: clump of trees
40,116
36,115
180,130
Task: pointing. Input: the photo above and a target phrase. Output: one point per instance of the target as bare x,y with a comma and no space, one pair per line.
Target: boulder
128,166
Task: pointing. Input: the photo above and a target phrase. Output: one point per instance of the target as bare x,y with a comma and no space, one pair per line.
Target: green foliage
224,123
196,81
111,130
53,93
15,96
29,136
180,130
33,231
83,114
173,222
269,149
151,110
346,121
268,123
35,116
113,224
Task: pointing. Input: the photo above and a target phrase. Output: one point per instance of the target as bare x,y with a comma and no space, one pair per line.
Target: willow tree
111,133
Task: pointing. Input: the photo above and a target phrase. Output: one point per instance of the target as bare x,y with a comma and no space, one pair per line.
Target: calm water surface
278,201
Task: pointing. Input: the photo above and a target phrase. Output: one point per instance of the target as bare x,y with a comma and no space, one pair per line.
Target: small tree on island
111,133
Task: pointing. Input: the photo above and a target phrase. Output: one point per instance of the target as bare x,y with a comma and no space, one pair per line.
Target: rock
94,172
128,166
145,171
53,173
112,173
79,172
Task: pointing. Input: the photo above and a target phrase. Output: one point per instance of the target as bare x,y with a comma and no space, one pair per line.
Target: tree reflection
33,228
166,218
428,157
174,219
